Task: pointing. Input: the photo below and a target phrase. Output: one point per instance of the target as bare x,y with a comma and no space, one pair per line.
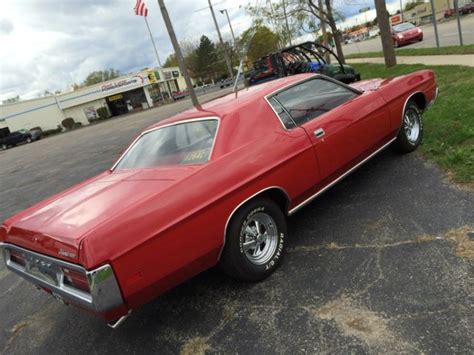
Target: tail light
75,279
17,257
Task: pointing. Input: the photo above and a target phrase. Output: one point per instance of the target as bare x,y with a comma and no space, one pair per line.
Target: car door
342,123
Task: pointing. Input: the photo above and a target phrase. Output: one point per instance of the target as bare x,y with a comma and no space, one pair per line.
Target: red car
405,33
210,186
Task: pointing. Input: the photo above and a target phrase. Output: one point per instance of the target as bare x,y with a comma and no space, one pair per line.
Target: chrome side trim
276,114
104,290
434,98
309,199
168,125
243,202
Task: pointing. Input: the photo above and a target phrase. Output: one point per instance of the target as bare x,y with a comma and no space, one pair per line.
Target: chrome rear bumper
47,272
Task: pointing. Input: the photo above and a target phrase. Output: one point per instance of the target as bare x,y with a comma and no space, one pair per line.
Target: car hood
56,226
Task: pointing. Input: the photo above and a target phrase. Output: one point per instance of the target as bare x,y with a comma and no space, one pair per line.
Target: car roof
227,104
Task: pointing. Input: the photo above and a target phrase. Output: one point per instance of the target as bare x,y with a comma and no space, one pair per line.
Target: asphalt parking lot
447,30
381,263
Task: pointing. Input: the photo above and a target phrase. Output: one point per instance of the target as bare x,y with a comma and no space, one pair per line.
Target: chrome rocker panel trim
104,293
311,198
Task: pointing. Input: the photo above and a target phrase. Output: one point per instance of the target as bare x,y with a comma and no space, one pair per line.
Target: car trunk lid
57,227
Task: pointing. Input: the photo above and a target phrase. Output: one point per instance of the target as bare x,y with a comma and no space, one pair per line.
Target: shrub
68,123
50,132
36,129
103,113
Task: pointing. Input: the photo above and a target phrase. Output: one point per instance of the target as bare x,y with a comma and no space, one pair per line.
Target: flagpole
159,61
153,41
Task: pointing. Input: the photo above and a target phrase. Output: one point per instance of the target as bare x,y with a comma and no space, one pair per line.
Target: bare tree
327,16
385,33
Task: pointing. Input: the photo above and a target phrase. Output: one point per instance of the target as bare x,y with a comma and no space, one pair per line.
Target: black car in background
11,139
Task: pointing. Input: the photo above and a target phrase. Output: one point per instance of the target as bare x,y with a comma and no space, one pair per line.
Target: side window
310,99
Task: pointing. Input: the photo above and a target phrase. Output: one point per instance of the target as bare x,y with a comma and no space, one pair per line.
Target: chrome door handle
319,133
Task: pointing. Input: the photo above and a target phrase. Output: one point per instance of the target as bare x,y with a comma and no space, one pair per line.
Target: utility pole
459,21
226,57
401,10
385,33
286,23
322,20
230,24
177,50
433,13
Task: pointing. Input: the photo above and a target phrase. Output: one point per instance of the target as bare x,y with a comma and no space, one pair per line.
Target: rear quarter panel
397,91
178,235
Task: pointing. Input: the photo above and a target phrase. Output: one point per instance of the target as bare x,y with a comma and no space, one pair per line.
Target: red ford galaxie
210,186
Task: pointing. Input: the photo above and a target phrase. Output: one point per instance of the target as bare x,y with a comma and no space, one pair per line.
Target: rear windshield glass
184,143
403,27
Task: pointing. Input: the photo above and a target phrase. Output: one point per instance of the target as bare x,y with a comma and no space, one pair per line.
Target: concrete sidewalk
454,59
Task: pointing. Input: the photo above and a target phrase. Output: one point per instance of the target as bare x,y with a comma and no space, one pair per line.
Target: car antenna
244,52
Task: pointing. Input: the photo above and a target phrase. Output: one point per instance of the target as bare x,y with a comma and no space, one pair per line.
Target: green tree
171,61
100,76
264,41
206,58
410,5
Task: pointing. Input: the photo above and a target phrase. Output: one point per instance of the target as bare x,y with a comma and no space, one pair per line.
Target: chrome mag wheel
261,238
411,125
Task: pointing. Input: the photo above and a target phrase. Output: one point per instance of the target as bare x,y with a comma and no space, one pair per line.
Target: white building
132,92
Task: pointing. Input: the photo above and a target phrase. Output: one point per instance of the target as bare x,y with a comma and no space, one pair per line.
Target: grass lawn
469,49
449,123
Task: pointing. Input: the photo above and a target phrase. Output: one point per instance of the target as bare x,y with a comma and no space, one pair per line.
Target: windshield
403,27
178,144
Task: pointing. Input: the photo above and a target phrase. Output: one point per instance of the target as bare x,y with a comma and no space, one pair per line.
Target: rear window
178,144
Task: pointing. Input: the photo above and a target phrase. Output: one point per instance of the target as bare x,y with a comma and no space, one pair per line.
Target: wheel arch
419,98
275,193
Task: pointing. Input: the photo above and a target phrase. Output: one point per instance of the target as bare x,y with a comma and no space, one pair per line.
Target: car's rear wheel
3,147
28,140
255,241
395,43
411,132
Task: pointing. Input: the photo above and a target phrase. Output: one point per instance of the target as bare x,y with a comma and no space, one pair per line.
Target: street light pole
226,57
230,24
177,50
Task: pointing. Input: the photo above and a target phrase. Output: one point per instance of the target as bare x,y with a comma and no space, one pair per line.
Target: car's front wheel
3,147
28,140
255,241
411,132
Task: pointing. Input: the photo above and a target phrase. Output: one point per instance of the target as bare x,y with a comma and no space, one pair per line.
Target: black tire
235,259
395,44
3,147
412,120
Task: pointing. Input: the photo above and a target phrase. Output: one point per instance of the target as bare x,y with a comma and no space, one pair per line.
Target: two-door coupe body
212,185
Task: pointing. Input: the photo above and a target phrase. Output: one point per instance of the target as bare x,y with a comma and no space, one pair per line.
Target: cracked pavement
381,263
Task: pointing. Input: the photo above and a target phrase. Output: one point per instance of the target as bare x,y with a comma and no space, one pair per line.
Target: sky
51,44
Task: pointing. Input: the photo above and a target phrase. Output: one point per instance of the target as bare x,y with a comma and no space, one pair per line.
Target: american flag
140,8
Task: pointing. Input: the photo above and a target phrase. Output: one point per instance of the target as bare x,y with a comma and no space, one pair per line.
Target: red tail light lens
76,280
17,258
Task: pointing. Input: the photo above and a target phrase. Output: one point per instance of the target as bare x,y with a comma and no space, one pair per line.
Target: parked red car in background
212,185
405,33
